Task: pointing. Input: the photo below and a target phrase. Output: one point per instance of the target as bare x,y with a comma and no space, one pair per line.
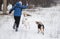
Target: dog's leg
38,30
28,25
42,30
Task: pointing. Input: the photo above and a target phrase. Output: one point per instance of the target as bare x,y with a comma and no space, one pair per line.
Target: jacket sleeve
23,6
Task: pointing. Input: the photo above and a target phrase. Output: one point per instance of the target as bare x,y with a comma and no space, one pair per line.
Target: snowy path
49,17
6,31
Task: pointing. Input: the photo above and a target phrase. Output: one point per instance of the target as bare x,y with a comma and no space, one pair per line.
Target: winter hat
20,2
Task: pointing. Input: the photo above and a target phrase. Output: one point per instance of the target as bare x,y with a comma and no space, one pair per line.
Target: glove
10,11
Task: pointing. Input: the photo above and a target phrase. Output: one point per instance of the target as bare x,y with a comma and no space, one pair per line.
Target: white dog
25,20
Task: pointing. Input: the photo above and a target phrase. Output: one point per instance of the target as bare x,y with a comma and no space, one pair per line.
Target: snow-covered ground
50,17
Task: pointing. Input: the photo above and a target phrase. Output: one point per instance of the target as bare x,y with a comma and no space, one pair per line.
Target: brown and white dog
40,27
25,20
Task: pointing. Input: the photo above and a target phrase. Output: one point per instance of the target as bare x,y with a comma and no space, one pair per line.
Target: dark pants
17,20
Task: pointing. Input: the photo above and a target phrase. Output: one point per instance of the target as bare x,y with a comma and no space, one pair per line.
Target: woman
17,13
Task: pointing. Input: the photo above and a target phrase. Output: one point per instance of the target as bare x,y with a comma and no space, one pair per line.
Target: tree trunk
4,6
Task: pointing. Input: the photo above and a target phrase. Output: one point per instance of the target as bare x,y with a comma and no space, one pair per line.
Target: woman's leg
14,26
17,23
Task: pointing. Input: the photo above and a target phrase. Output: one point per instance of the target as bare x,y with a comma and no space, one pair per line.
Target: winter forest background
42,3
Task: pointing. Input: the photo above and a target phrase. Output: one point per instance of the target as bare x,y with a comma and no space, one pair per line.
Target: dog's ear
37,22
25,14
28,15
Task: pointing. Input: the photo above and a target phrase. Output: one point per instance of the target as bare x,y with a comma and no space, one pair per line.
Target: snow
50,17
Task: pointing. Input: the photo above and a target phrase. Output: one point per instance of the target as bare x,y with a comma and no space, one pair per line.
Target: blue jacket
17,9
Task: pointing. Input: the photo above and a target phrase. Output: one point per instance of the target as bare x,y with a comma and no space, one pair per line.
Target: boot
16,29
14,26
